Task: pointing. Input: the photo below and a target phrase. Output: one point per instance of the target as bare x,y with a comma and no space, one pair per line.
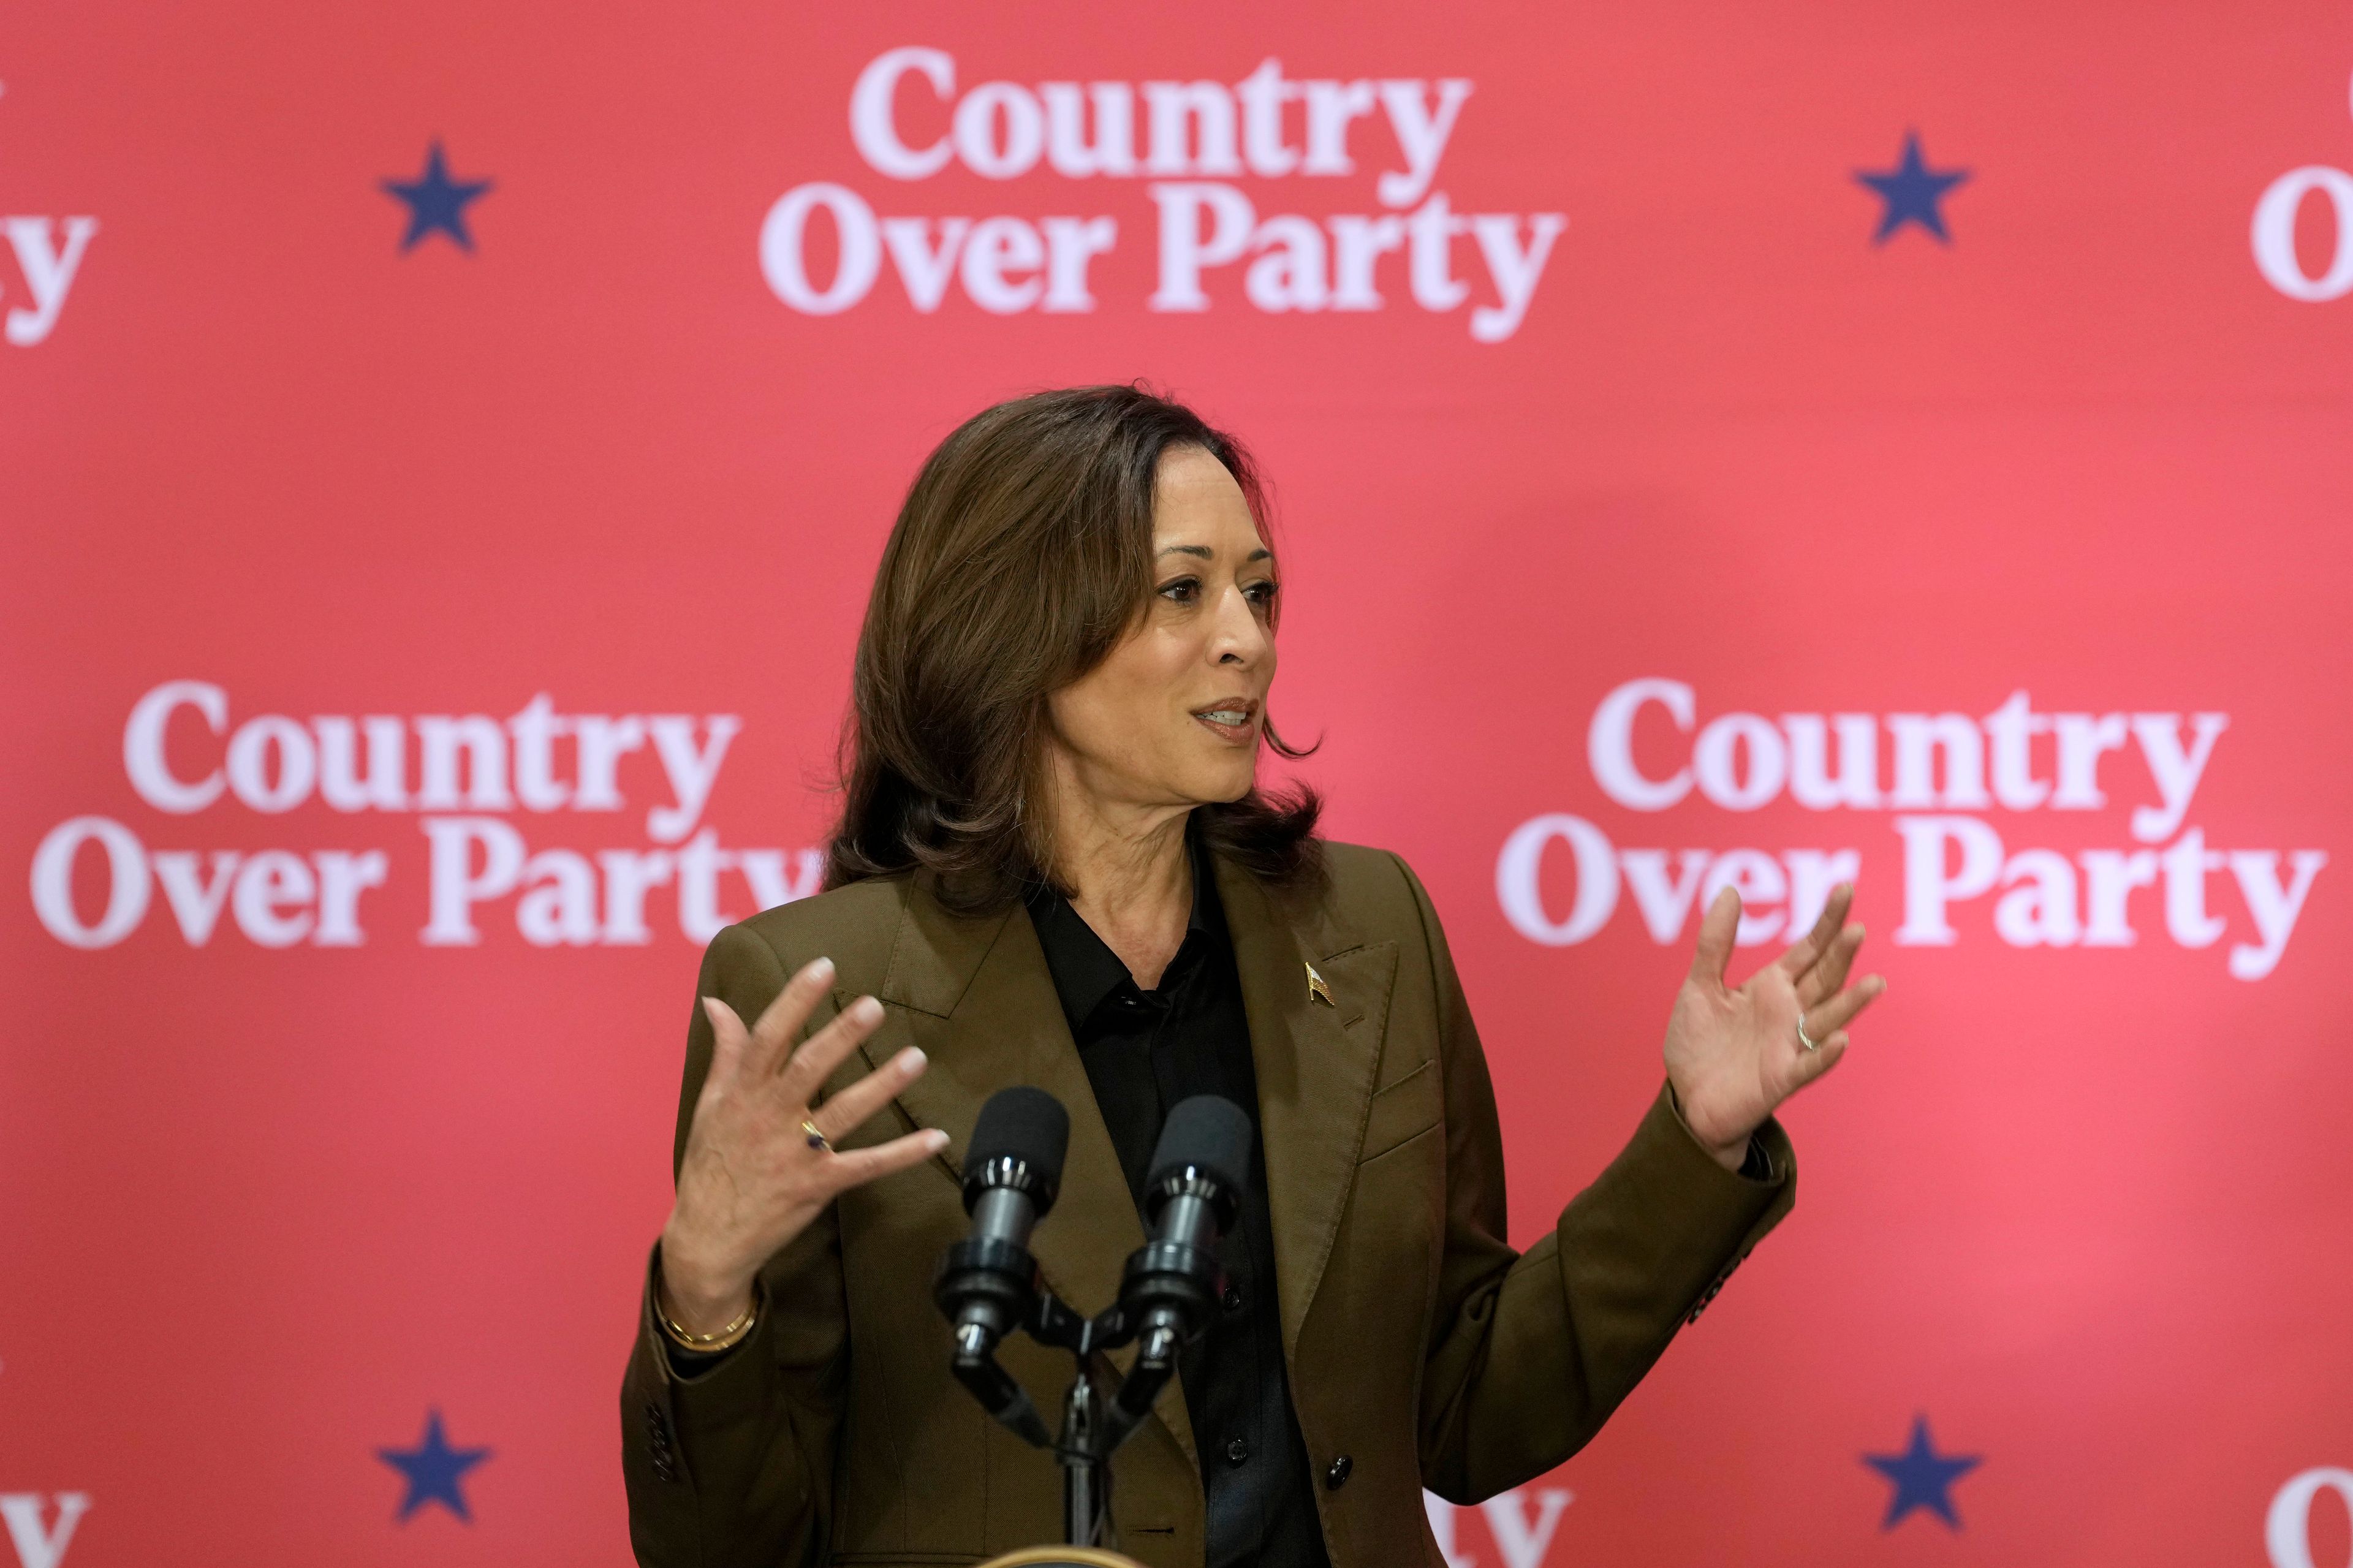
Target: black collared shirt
1144,1051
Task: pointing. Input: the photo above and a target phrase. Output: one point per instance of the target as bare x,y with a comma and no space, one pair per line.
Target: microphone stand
1168,1284
1169,1290
1091,1428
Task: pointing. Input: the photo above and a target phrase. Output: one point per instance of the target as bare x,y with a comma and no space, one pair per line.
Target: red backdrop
1639,464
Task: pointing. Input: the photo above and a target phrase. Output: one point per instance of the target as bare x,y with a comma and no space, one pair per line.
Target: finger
1830,970
844,1113
1716,929
728,1037
1812,1064
1803,954
781,1018
856,1167
828,1050
1838,1012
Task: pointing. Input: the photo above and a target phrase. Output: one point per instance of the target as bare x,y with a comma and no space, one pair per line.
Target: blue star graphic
437,202
433,1468
1912,191
1923,1477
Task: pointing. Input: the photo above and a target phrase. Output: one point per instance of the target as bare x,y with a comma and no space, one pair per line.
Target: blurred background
444,452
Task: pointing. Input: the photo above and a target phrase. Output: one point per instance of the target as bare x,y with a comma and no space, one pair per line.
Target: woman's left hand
1734,1054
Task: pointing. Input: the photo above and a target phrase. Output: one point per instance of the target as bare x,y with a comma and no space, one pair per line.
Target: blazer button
1233,1301
1337,1476
1237,1451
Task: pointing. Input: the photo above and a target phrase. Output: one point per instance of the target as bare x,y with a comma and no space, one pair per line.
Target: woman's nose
1240,636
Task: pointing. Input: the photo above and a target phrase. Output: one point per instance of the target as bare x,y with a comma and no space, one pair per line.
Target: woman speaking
1055,868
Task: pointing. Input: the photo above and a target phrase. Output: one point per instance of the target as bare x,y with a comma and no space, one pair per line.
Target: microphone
987,1283
1012,1173
1172,1282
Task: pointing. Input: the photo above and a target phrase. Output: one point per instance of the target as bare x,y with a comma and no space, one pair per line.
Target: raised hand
750,1179
1735,1055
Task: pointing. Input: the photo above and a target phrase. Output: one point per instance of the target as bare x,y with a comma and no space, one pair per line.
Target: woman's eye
1262,593
1182,590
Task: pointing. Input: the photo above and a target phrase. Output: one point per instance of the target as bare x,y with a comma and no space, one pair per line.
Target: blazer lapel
1315,1062
977,996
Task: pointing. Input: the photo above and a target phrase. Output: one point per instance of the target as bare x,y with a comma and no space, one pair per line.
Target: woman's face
1172,718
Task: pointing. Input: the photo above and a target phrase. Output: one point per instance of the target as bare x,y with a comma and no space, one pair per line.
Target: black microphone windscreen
1207,1132
1023,1124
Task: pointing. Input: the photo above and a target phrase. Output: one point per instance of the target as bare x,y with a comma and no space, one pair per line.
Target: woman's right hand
751,1181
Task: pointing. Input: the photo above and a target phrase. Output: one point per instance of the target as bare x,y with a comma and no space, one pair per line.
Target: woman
1053,868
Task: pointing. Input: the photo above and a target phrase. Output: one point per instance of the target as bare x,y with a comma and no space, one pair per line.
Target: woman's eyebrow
1206,554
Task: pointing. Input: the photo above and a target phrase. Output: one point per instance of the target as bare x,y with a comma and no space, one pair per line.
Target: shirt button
1233,1298
1237,1451
1337,1476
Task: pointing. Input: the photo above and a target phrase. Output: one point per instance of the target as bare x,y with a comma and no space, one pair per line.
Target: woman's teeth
1225,716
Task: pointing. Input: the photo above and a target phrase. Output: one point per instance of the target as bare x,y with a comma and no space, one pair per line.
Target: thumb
1716,929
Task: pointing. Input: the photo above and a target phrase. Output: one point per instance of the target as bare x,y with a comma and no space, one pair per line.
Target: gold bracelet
719,1340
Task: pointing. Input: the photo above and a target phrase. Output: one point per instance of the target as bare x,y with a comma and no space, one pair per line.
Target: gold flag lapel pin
1317,990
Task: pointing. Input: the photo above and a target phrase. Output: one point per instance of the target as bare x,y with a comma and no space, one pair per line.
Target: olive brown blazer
1423,1351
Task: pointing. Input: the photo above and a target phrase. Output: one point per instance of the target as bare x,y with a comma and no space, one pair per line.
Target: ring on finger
1803,1038
816,1140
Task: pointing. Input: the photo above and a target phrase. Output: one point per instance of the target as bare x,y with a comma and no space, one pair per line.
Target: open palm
1735,1054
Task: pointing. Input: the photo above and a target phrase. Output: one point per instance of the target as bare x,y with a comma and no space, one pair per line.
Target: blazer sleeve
733,1466
1531,1352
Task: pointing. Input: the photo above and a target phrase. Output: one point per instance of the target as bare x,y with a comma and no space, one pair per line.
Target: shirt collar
1084,968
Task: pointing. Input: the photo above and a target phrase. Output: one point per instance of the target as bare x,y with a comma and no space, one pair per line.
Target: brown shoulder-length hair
1022,557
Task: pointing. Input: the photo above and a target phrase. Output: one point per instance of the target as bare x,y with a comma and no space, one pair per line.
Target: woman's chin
1226,785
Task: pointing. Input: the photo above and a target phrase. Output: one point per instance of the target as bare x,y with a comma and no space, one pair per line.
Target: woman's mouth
1233,722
